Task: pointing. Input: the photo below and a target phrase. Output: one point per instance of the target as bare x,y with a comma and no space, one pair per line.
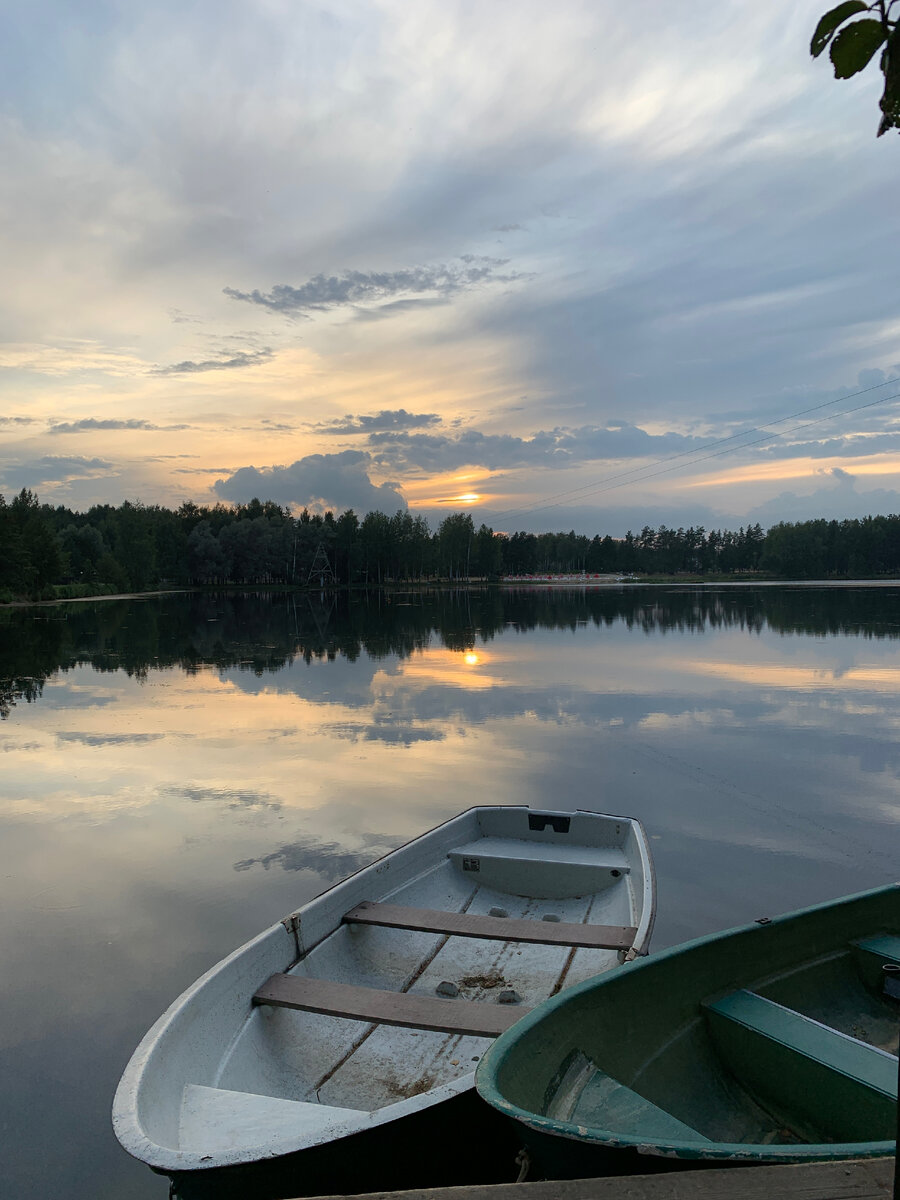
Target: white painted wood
217,1081
213,1119
540,869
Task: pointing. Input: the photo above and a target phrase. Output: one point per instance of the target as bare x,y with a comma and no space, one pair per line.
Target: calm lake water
179,772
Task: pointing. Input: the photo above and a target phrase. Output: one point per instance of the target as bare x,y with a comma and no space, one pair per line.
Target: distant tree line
47,551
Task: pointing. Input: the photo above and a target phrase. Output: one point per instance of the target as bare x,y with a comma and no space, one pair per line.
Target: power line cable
609,486
638,472
718,442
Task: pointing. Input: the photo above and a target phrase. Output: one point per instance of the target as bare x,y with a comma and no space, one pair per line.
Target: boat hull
775,1042
457,1143
246,1069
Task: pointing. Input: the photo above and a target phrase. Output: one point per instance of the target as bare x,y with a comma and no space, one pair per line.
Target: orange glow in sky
798,468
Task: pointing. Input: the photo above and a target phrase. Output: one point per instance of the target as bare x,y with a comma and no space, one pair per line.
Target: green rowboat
774,1042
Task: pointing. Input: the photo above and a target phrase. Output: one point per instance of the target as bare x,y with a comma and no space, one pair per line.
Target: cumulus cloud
53,468
840,499
386,419
243,358
323,292
676,197
92,425
336,481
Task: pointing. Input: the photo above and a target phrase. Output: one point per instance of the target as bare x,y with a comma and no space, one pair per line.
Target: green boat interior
804,1055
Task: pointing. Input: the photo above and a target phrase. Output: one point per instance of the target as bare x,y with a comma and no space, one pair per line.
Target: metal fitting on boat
891,974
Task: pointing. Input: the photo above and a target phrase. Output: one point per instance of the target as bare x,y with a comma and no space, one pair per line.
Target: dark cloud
243,358
851,446
53,468
91,425
875,431
386,419
17,421
337,481
547,448
324,292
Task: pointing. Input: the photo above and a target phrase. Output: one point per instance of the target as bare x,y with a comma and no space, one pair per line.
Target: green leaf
854,46
830,22
890,101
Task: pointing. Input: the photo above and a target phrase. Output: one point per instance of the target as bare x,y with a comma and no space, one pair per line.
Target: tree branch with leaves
854,45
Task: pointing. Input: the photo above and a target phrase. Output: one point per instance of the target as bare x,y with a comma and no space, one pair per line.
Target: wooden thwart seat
503,929
388,1008
883,946
835,1082
872,955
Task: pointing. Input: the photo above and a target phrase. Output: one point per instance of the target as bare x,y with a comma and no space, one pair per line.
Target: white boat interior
325,1025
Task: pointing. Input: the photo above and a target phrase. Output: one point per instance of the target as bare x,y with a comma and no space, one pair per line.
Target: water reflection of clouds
689,719
394,733
312,855
263,747
59,693
149,825
109,739
320,679
868,677
454,669
235,798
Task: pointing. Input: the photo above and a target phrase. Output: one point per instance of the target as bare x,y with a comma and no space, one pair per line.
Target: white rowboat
376,999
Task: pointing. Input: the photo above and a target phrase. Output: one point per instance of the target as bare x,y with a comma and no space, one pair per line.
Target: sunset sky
535,260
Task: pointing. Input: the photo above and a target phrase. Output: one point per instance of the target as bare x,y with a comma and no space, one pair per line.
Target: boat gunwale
488,1068
126,1121
641,945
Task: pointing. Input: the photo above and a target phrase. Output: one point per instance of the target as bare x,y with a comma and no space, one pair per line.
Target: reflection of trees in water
13,690
264,632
